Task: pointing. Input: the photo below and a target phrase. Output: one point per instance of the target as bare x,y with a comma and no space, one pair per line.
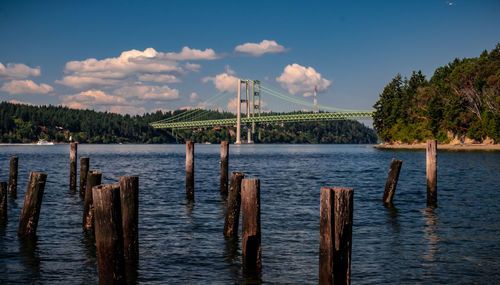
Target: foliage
461,99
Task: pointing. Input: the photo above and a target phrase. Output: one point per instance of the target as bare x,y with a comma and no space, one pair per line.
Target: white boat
44,142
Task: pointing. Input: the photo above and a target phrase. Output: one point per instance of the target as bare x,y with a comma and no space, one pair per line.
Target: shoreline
464,147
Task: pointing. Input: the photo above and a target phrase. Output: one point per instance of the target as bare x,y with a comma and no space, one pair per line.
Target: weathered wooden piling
190,170
129,197
84,169
72,165
336,212
14,162
108,234
32,204
3,202
224,167
93,179
250,224
392,181
233,205
431,154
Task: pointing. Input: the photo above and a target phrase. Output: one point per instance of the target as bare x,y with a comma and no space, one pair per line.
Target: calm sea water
456,243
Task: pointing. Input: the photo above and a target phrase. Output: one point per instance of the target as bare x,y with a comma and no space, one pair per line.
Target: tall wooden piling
224,167
190,170
431,154
14,162
3,202
108,234
251,250
336,213
93,179
233,205
32,204
129,197
84,169
72,165
392,181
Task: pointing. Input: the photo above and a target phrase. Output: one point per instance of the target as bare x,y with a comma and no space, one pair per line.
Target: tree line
461,100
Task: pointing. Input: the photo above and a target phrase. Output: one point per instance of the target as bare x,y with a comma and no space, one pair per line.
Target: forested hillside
460,102
24,123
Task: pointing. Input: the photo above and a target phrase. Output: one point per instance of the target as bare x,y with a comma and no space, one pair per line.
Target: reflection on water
28,248
430,233
392,215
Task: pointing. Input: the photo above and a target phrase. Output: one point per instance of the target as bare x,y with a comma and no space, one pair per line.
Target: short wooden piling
190,170
93,179
84,169
129,197
72,165
392,181
3,202
431,154
224,167
14,162
32,204
233,205
108,234
250,224
336,212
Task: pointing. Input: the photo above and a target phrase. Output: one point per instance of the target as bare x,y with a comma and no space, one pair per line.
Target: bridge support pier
238,115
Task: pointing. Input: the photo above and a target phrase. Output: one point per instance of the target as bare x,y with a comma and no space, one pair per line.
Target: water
458,242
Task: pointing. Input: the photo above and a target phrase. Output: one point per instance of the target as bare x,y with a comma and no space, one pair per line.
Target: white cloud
148,92
193,66
194,98
261,48
229,70
81,82
20,102
91,98
192,54
26,87
232,106
127,110
166,78
299,79
223,82
17,71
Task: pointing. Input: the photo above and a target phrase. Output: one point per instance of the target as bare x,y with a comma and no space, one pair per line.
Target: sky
141,56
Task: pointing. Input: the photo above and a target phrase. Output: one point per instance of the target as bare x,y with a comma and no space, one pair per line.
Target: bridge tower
255,86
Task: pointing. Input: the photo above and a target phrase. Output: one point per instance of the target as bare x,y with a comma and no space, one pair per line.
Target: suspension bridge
198,118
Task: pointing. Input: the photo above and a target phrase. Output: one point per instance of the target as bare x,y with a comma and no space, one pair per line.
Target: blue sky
140,56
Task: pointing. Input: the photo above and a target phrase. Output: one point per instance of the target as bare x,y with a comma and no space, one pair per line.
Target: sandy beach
458,147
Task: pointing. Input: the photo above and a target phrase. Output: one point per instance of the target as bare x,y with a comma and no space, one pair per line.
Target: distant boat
44,142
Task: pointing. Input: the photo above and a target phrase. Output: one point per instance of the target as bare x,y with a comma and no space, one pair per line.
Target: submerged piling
84,169
3,202
129,197
431,159
336,212
251,249
32,204
93,179
392,181
224,167
14,162
108,234
72,165
233,205
189,170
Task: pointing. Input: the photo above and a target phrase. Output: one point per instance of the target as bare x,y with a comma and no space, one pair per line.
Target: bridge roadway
289,118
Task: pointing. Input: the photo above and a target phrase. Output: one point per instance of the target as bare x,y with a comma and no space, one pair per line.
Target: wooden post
392,181
250,224
32,204
72,165
14,162
93,179
190,170
224,167
431,154
233,206
129,197
108,233
336,212
3,202
84,169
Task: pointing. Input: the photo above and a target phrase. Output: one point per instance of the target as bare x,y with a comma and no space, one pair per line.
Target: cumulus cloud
193,66
299,79
258,49
192,54
127,110
166,78
224,82
91,98
20,102
194,98
26,87
148,92
17,71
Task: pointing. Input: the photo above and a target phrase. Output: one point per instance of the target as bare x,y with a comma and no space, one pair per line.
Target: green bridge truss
301,117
